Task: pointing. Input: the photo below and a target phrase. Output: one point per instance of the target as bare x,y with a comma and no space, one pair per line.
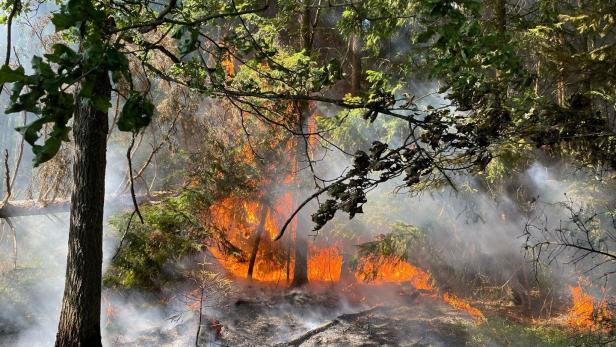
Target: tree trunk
500,19
81,312
305,32
356,70
255,247
500,15
288,256
300,270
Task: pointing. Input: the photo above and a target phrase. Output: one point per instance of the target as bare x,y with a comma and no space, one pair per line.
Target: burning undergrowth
381,262
446,258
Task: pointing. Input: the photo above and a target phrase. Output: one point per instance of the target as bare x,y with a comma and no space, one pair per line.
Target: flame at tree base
325,265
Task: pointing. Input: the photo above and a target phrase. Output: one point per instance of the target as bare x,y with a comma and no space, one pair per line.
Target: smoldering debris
336,316
424,323
318,315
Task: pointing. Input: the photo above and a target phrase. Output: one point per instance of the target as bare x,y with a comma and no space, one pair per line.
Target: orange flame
586,313
111,313
386,270
239,220
324,264
311,128
228,64
462,305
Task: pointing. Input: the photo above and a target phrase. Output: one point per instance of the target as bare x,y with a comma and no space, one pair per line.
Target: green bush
170,232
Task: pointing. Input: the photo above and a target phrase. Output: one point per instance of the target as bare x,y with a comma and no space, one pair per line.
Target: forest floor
326,317
367,316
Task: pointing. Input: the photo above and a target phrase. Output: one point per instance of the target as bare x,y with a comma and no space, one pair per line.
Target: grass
496,331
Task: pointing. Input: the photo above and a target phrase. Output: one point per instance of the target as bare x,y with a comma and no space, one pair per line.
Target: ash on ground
326,316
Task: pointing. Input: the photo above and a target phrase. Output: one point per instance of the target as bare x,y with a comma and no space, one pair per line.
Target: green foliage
375,20
396,244
351,132
178,227
504,332
46,91
508,159
187,39
136,113
169,233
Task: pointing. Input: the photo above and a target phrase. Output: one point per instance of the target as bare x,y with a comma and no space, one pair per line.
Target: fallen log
305,337
30,208
22,208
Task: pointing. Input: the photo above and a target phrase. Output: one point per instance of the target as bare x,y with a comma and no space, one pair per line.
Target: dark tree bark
356,69
300,271
81,312
288,260
500,15
255,247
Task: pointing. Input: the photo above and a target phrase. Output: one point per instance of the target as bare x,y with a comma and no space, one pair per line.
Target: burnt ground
324,317
308,320
426,323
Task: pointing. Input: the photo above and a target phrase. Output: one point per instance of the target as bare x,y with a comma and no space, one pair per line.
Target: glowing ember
194,300
111,312
462,305
586,313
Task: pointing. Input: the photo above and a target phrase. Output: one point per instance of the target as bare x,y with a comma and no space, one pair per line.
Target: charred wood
305,337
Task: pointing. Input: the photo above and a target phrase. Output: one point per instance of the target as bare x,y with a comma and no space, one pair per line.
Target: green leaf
187,39
116,60
62,55
52,145
75,13
63,21
87,87
30,132
93,55
42,68
424,36
9,75
26,102
136,113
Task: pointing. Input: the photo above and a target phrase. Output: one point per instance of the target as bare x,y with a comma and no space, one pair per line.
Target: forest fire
387,270
273,261
460,304
250,225
586,313
324,264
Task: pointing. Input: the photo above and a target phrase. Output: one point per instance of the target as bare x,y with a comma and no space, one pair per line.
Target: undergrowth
497,331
